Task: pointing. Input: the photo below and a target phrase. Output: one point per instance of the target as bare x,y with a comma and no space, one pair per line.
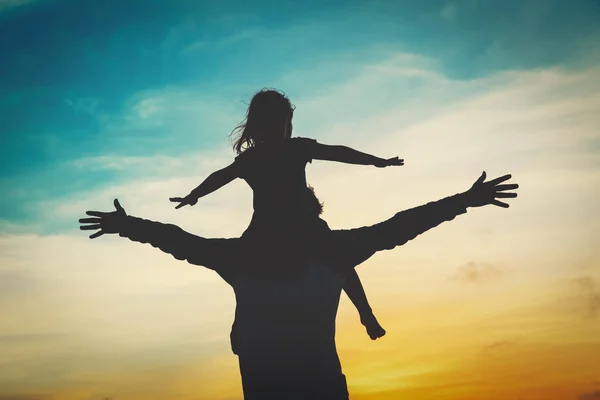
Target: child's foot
373,328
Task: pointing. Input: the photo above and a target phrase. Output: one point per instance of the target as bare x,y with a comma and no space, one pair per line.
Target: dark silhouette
286,306
273,164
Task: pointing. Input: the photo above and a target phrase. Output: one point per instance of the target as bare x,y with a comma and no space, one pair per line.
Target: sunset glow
134,100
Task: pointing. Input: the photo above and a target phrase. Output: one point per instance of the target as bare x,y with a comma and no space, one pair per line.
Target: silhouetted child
273,164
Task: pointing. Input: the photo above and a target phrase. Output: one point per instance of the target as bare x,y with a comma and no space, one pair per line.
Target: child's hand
184,201
390,162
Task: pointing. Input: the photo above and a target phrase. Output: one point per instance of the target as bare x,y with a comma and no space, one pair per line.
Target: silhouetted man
286,309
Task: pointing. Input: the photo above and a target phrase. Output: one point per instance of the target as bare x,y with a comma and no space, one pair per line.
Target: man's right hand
485,193
104,222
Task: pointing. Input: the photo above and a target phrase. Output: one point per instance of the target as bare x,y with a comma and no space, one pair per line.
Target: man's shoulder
302,140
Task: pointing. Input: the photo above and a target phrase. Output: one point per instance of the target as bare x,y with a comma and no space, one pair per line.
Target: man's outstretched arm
209,253
354,246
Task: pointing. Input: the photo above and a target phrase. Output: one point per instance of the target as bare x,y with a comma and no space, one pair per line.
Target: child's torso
277,177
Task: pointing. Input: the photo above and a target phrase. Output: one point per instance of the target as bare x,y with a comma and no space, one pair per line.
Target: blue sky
73,72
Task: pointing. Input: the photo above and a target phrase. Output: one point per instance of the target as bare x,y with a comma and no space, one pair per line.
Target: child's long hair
314,204
269,115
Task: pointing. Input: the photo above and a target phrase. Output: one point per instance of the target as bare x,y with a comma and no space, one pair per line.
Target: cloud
14,283
588,294
140,165
68,305
541,125
579,296
449,11
174,117
183,38
8,4
474,272
178,33
239,36
118,282
526,123
516,120
537,125
525,44
590,396
85,105
29,338
25,397
498,346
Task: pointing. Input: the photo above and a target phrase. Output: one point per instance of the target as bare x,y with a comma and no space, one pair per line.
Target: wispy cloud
522,122
26,397
178,33
588,293
501,345
590,396
173,114
476,272
235,38
85,105
188,37
449,11
8,4
579,296
29,338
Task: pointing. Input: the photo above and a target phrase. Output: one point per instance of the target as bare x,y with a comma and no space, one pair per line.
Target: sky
135,100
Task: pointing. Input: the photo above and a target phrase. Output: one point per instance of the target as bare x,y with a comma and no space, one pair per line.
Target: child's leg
354,289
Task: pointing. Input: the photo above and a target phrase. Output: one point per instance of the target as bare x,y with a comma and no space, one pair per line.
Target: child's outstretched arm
350,156
215,181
